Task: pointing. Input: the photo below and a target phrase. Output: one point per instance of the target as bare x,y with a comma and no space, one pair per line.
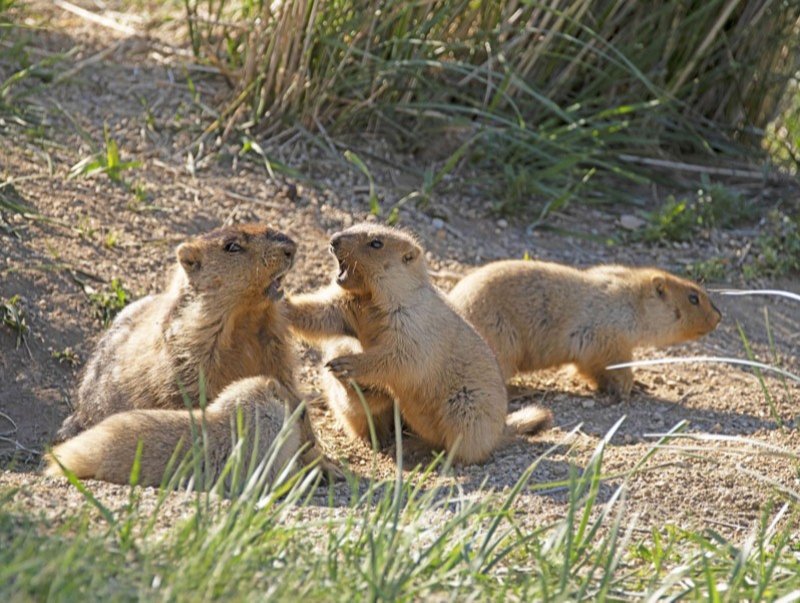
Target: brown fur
107,450
411,346
536,315
221,318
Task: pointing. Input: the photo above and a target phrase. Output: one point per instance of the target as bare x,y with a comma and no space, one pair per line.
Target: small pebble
502,223
630,222
437,223
292,192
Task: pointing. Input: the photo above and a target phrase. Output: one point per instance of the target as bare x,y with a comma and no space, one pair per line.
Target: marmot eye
232,247
693,299
376,243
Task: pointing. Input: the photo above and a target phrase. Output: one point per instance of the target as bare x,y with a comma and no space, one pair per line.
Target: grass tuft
777,247
714,206
13,316
548,96
107,304
398,539
107,161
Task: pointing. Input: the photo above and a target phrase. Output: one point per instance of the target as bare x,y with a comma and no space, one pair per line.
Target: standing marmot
107,450
538,314
221,319
413,347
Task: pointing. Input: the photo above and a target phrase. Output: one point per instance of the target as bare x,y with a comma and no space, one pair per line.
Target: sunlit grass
560,90
401,539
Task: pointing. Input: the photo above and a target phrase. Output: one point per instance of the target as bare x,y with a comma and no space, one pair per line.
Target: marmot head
239,261
374,258
679,306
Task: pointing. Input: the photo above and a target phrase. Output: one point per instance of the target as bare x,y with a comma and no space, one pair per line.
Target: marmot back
221,318
411,346
536,315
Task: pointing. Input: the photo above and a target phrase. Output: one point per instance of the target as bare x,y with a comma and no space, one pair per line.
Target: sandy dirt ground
92,230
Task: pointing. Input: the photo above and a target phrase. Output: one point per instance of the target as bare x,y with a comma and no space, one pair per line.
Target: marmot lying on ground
107,450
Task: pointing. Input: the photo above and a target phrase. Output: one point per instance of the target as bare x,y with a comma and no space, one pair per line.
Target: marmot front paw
343,367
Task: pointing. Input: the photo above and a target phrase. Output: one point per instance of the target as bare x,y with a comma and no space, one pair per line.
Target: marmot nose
336,240
719,314
289,250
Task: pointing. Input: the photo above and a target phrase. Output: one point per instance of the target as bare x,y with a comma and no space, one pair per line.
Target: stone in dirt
630,222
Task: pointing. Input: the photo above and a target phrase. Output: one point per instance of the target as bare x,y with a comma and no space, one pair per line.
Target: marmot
107,450
222,319
412,346
536,315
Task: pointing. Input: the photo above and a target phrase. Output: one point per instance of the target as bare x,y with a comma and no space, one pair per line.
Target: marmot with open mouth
221,320
404,341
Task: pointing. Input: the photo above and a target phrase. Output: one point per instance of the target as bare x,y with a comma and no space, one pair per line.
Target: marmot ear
411,255
660,286
189,255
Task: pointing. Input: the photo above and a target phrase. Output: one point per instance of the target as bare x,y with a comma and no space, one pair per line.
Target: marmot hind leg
472,428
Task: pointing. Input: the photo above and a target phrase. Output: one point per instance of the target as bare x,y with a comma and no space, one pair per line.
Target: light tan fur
107,450
222,319
345,402
411,346
536,315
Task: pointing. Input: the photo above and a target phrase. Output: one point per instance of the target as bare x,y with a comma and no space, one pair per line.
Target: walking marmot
107,450
538,314
222,319
413,348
